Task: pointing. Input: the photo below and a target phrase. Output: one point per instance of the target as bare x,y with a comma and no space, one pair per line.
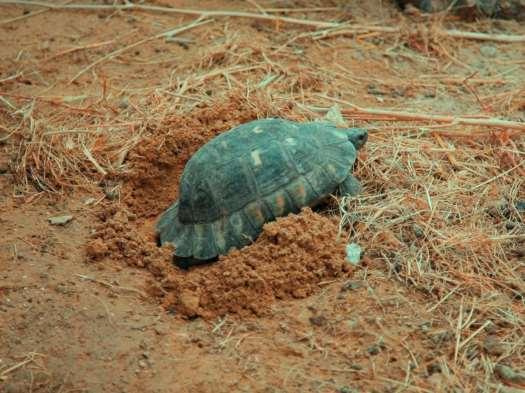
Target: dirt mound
155,166
290,259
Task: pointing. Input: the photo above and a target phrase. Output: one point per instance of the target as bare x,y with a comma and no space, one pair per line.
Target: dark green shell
250,175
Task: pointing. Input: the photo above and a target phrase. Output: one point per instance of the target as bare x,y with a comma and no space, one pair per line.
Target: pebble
60,220
347,389
353,253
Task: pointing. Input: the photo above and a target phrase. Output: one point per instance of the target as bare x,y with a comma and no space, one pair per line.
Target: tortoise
252,174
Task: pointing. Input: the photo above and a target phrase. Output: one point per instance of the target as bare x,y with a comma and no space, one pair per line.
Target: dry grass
440,209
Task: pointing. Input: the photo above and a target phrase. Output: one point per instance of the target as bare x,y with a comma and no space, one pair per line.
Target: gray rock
60,220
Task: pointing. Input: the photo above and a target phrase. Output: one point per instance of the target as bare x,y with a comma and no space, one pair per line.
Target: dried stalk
410,116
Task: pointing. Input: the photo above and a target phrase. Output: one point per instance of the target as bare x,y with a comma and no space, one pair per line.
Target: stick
17,18
410,116
30,357
111,286
171,32
485,36
187,11
358,29
241,14
78,48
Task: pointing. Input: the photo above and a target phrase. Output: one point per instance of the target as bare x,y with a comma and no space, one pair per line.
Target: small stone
520,206
89,201
124,103
143,364
60,220
488,50
353,253
347,389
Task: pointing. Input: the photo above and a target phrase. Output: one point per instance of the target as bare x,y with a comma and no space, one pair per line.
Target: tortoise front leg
350,186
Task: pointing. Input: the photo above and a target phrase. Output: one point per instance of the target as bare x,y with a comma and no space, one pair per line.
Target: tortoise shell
253,174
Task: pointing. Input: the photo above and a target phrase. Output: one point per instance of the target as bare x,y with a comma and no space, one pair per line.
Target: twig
111,286
89,46
186,11
497,176
11,77
198,22
481,328
11,20
458,331
30,357
90,157
265,16
411,116
484,36
17,18
358,29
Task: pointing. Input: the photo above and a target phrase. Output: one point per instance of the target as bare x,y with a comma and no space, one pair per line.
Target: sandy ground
97,121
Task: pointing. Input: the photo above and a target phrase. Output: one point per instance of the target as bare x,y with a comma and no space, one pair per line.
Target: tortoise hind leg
350,186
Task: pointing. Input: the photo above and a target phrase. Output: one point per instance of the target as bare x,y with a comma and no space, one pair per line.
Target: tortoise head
358,137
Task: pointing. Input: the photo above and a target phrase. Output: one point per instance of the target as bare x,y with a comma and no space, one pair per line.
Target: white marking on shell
256,157
341,135
291,141
258,129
